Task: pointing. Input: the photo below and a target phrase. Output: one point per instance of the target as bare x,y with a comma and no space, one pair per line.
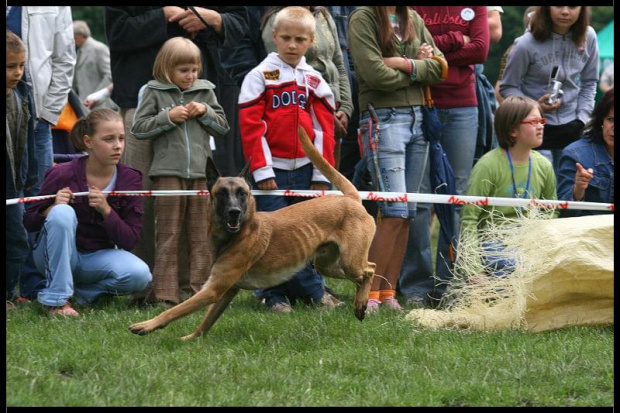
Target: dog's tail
335,177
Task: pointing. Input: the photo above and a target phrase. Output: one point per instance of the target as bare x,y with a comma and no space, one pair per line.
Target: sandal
65,310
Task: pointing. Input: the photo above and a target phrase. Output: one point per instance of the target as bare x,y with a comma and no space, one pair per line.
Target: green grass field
310,357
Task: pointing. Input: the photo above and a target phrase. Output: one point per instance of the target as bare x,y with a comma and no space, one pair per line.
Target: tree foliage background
512,24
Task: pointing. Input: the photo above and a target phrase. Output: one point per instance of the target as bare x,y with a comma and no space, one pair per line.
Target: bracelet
409,65
414,72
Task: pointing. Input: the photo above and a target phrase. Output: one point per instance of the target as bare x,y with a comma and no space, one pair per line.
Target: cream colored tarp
564,277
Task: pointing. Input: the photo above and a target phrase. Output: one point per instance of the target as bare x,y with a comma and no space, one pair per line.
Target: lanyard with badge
515,193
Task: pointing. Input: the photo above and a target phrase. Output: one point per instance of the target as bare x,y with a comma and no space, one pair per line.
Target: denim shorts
396,154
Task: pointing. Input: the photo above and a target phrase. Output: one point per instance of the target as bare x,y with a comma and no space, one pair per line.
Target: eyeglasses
535,121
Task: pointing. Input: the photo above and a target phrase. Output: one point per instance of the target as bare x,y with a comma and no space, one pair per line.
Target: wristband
414,72
409,66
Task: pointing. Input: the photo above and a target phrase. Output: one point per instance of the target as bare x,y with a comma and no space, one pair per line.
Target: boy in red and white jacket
280,94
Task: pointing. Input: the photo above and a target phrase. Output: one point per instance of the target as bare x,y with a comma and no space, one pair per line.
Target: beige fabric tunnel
564,277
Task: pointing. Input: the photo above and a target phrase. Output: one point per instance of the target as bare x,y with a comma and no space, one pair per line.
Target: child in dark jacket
21,162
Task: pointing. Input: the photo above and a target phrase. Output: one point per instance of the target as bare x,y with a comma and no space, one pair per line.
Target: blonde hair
174,52
509,116
87,125
298,15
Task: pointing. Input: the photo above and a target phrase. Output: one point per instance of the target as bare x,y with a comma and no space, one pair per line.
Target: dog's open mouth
233,225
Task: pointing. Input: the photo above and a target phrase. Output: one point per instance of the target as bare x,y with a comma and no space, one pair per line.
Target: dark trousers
307,285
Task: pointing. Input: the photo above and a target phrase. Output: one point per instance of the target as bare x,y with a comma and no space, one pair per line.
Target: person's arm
230,23
249,50
477,49
32,174
589,79
214,119
63,63
322,109
252,105
500,76
35,213
127,32
103,67
495,26
573,177
369,62
92,99
124,222
450,41
366,53
346,102
517,63
150,122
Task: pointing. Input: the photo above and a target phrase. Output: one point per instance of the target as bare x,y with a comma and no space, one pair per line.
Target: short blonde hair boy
174,52
296,14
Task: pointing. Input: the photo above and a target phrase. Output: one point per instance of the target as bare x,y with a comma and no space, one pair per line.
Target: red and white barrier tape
371,196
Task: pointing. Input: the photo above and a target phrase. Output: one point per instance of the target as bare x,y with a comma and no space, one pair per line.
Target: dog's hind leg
362,290
213,313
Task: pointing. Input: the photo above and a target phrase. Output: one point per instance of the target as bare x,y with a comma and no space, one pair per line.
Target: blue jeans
401,154
416,274
31,281
307,285
458,139
44,151
17,247
495,260
84,275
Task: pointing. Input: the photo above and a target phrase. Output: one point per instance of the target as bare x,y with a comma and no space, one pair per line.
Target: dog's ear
212,173
245,172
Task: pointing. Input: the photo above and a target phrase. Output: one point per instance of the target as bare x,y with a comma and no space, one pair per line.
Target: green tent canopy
606,42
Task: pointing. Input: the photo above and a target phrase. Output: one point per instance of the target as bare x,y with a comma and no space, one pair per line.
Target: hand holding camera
550,101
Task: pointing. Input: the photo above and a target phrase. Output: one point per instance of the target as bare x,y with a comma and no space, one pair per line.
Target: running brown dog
262,249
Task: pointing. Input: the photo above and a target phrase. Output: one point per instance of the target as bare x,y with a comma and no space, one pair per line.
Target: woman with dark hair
560,49
587,166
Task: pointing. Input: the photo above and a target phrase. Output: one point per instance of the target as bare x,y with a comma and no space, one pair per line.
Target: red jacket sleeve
477,50
251,120
322,109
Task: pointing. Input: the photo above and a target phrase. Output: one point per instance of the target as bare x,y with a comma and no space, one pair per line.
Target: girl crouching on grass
83,243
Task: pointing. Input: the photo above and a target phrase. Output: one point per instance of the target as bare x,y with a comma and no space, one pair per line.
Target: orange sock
385,294
374,294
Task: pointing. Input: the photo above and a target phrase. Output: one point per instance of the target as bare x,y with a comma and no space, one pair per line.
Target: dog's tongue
233,224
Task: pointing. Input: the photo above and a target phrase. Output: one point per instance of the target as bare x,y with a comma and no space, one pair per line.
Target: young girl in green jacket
179,112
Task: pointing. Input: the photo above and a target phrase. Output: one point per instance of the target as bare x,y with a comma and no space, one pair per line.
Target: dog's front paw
360,312
142,328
